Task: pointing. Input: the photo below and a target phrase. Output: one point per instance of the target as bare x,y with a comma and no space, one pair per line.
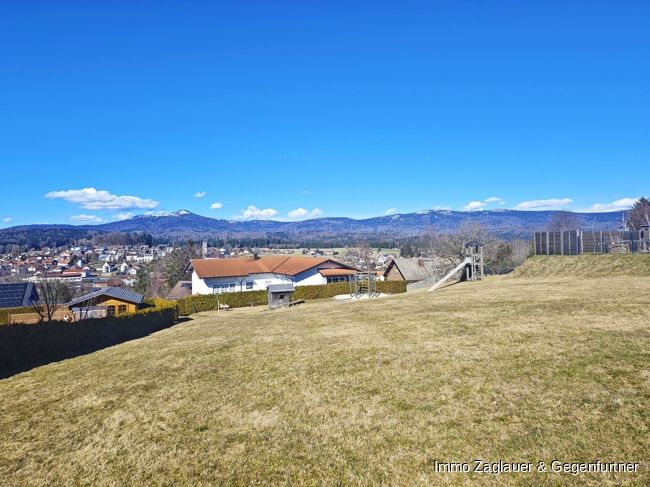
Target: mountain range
183,225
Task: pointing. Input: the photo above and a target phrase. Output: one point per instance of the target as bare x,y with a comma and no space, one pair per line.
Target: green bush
209,302
321,291
391,287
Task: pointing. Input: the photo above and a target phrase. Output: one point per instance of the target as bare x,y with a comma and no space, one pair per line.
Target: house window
232,287
331,280
249,284
121,309
110,310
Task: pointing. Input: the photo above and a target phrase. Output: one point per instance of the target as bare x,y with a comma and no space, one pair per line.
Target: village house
410,269
214,276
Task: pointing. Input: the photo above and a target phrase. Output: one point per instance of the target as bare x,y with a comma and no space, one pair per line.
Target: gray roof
182,289
17,294
113,292
415,268
281,288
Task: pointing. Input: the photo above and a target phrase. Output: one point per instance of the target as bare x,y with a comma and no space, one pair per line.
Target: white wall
217,285
310,277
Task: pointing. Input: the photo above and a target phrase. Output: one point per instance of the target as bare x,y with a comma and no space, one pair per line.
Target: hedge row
209,302
24,346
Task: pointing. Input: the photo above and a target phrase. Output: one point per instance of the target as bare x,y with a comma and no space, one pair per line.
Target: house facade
113,300
216,276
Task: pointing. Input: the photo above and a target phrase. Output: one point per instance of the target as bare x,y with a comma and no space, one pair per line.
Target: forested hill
184,225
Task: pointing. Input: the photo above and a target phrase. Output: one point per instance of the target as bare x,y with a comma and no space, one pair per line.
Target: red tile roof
289,266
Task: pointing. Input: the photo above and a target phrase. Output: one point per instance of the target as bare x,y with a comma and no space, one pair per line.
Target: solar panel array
12,294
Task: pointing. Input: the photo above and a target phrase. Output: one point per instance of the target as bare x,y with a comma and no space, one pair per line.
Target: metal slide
450,274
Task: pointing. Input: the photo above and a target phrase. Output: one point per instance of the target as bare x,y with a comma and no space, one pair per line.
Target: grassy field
363,393
585,266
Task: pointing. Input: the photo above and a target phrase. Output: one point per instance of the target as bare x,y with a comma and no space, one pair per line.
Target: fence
24,346
576,242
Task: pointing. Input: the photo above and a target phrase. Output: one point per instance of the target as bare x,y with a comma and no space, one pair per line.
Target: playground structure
363,283
472,265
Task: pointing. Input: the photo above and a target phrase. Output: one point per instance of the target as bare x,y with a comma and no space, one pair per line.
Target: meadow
517,369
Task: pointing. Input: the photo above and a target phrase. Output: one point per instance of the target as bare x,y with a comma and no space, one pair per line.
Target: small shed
114,300
280,295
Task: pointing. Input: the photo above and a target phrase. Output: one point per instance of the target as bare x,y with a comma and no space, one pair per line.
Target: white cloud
199,194
7,220
549,204
86,218
622,204
92,199
216,205
304,191
479,205
390,211
494,199
474,205
303,213
254,212
123,216
441,208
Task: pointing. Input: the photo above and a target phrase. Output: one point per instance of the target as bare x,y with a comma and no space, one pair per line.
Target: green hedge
209,302
24,346
391,287
5,312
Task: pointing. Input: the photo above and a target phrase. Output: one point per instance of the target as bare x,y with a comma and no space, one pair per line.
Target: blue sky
298,109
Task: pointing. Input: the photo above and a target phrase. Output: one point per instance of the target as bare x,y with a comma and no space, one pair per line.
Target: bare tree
639,215
86,307
561,221
51,297
359,256
451,246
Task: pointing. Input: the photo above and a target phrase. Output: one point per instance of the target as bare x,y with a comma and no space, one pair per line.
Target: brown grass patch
356,394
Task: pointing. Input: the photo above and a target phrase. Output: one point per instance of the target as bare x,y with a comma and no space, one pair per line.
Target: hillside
363,393
584,266
183,225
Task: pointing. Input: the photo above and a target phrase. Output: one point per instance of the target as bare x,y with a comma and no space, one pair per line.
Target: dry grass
585,266
350,394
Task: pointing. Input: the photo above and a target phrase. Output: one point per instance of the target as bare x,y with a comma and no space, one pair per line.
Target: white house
213,276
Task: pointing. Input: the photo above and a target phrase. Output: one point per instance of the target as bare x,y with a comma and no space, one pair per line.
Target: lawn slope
584,266
351,394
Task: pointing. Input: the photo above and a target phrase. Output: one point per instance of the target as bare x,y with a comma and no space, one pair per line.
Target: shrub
209,302
391,287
